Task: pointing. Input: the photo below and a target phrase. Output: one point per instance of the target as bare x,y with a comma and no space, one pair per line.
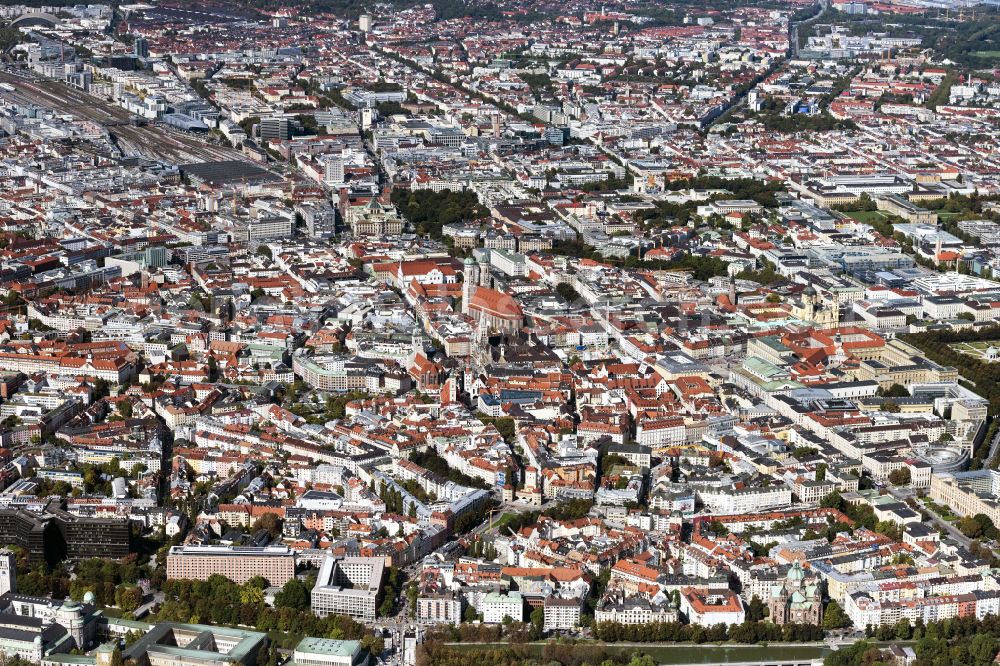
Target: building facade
349,586
276,564
797,600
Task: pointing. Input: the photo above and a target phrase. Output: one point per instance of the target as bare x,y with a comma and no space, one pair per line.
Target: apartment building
561,613
745,500
114,370
711,608
445,608
496,606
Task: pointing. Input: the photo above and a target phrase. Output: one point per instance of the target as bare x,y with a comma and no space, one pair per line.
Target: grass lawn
976,349
503,520
987,54
865,216
942,511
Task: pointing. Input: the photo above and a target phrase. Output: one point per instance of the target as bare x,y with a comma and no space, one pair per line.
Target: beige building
899,206
903,364
968,493
374,219
276,564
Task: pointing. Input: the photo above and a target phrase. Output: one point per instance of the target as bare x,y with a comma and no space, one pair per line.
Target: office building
275,128
54,534
333,171
175,644
267,227
276,564
326,652
319,217
349,586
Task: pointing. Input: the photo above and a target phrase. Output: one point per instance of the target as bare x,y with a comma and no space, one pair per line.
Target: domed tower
484,270
37,649
798,600
70,616
470,277
809,300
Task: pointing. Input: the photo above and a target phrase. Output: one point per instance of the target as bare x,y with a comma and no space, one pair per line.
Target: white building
497,606
326,652
712,607
439,608
8,573
348,586
561,613
635,610
745,500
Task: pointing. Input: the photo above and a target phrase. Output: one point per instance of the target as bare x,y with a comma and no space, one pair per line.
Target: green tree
412,593
755,609
294,594
374,644
831,501
538,620
568,293
251,594
894,391
903,629
970,527
982,649
128,597
900,477
642,660
470,615
271,522
834,617
889,529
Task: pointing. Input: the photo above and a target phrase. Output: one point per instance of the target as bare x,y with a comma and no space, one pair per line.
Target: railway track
153,141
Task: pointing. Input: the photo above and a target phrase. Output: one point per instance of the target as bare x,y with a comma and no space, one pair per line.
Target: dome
89,598
38,640
469,261
809,290
796,573
69,607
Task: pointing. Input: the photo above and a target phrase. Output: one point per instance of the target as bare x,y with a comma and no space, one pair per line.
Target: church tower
471,277
484,270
